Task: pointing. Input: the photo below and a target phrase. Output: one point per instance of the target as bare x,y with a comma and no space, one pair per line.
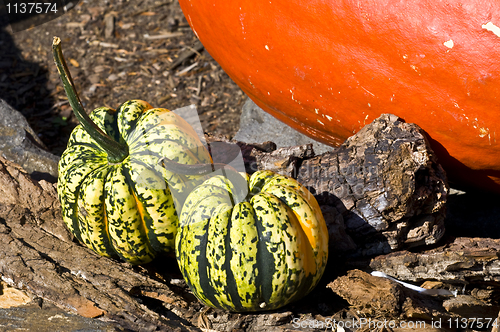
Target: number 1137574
31,8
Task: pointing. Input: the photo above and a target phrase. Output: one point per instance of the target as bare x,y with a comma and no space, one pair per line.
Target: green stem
116,151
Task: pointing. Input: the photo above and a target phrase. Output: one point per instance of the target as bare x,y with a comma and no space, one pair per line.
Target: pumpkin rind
128,209
259,254
327,68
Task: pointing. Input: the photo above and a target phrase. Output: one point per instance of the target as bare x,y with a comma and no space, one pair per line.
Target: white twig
416,288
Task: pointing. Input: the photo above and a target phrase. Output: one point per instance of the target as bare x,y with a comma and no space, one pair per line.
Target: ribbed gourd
256,254
115,197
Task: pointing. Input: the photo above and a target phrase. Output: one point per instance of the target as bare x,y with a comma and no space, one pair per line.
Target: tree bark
38,256
382,190
393,196
463,261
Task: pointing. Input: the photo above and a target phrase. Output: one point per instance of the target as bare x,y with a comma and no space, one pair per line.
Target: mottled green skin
260,254
127,209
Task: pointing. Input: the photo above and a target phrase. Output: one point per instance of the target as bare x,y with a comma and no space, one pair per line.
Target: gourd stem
239,183
116,151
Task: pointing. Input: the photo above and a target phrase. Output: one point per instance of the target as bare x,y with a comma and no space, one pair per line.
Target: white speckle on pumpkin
370,93
328,117
316,110
492,28
369,105
449,43
485,132
242,17
191,24
415,68
267,47
320,122
268,93
295,100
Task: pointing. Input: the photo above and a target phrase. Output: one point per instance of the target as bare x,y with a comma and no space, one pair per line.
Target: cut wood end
56,41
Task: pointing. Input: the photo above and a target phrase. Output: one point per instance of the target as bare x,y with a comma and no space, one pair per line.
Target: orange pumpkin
329,67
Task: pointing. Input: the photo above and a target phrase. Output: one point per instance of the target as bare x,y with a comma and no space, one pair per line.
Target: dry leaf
74,63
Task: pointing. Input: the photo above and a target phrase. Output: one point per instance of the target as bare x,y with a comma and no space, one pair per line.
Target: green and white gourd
115,197
260,254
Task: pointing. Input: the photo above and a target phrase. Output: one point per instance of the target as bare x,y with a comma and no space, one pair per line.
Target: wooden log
383,186
387,184
463,261
469,266
381,297
38,256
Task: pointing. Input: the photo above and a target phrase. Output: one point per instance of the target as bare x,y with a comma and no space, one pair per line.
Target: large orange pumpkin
329,67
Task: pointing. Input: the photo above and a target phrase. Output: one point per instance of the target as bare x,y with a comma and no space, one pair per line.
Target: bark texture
38,256
380,191
463,261
386,183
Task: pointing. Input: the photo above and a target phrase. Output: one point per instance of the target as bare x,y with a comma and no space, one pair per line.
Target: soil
116,51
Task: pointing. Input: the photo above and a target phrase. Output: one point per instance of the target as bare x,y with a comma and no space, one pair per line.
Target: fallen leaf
74,63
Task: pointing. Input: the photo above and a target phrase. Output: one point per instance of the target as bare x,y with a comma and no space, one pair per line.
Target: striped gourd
260,254
115,197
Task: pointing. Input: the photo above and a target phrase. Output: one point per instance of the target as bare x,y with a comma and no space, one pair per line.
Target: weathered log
386,183
381,297
38,256
463,261
378,299
383,185
470,266
258,156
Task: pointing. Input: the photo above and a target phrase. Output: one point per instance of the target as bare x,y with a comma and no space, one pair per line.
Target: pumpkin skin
327,68
259,254
126,209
